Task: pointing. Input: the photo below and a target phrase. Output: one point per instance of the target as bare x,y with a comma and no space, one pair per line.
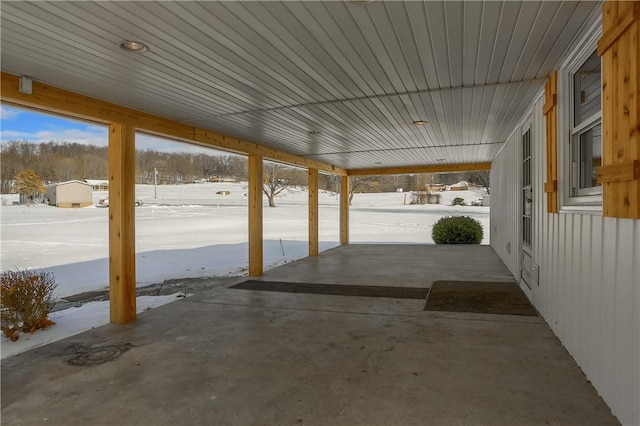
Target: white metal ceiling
271,72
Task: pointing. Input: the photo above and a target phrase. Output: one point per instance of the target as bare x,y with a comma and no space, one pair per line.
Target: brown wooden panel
551,186
546,108
619,47
313,212
255,216
620,172
122,250
550,112
626,16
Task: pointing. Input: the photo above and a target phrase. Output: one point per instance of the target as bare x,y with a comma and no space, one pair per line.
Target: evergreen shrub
457,230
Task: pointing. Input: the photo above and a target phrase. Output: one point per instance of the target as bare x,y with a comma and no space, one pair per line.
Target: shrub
457,230
26,298
458,201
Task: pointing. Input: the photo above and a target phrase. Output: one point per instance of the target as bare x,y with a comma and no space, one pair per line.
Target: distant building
98,185
460,186
436,187
71,194
9,199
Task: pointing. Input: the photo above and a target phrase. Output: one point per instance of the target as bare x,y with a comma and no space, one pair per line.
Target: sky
23,124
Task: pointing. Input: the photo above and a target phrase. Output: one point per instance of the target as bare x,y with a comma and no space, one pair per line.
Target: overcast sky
23,124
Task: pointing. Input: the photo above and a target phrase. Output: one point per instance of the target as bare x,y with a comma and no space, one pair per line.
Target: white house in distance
70,194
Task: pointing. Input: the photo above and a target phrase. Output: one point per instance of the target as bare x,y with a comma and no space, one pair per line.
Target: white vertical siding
589,283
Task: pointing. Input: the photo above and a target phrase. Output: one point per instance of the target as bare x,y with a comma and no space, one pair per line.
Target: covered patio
545,95
230,356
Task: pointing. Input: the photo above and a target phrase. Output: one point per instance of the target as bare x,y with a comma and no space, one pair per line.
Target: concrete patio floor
241,357
401,265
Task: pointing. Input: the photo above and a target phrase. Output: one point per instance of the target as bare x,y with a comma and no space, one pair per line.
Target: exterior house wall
588,289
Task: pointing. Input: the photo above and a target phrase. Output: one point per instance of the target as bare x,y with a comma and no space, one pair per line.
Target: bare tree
357,183
481,178
274,181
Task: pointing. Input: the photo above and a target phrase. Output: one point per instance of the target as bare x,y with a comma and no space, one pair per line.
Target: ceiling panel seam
380,96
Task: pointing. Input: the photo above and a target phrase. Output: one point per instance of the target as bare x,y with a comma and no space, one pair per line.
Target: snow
73,321
189,231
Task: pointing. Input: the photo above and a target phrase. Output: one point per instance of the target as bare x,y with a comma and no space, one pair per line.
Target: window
586,130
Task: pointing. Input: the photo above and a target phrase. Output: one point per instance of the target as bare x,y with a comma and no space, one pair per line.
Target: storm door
527,210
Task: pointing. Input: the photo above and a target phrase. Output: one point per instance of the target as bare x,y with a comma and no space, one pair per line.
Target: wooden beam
73,105
207,138
122,250
344,210
313,212
620,172
433,168
255,216
551,186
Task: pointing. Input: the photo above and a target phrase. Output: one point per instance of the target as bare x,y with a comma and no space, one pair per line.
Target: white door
526,263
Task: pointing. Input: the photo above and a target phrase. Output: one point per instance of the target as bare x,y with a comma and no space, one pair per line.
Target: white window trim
588,204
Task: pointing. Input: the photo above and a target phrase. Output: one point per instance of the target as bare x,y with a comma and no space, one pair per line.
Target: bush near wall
457,230
26,298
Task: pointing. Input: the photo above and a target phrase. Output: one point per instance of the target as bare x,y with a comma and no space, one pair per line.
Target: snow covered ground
76,320
190,231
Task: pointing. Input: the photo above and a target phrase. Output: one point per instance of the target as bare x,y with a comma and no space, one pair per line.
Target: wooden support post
344,210
255,216
122,248
313,212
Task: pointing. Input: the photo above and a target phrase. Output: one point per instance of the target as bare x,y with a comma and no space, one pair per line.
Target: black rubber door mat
479,297
335,289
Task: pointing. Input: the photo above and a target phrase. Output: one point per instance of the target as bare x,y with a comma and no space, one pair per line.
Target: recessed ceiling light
134,46
419,122
440,159
314,132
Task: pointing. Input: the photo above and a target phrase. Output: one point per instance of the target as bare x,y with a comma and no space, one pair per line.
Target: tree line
63,161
